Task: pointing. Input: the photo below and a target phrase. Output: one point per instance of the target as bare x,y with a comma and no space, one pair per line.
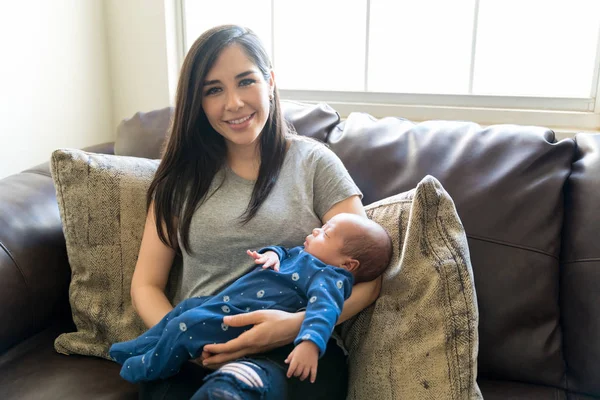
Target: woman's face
235,98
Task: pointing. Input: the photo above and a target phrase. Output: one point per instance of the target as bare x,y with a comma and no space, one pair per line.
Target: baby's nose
315,231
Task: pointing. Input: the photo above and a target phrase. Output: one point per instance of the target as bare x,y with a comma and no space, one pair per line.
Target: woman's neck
245,162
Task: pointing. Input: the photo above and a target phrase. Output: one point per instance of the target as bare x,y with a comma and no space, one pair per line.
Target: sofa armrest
102,148
34,270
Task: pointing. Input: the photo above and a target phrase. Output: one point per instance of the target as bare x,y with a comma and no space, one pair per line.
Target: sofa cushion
420,339
507,183
580,272
34,370
143,135
102,203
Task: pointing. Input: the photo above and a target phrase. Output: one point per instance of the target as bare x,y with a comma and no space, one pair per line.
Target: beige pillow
102,203
419,340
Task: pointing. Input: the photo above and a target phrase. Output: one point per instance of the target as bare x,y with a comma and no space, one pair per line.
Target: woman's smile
241,123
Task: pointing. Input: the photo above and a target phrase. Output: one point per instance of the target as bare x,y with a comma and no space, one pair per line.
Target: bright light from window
537,47
540,48
202,15
420,46
317,51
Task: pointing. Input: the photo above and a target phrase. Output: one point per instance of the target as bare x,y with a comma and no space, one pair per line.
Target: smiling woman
234,177
237,103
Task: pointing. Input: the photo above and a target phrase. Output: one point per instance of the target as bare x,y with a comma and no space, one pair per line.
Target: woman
234,178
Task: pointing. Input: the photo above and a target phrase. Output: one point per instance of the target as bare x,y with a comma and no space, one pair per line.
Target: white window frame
564,115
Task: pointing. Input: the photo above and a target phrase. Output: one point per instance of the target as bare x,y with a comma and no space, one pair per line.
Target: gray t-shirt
311,181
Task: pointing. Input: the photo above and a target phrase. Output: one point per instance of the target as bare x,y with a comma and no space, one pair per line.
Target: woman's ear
272,82
351,264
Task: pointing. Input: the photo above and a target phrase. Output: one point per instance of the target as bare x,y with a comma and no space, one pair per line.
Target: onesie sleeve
326,294
281,252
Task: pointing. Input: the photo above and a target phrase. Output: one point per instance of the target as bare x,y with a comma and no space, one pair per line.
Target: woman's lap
331,380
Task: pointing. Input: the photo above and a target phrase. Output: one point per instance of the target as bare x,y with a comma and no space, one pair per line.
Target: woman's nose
234,102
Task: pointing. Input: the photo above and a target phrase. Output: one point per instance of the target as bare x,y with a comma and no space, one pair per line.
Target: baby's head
354,243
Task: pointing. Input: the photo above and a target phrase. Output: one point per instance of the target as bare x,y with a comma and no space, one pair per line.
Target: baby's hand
268,259
303,361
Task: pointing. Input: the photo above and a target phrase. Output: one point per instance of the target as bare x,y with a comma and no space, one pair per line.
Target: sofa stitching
441,232
452,248
440,270
16,265
583,260
489,240
516,246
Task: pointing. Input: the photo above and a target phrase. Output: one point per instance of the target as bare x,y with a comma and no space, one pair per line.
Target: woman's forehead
231,62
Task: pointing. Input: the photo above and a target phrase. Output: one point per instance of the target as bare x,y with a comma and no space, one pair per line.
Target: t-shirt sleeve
332,182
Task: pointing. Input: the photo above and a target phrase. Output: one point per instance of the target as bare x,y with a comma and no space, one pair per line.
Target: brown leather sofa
529,204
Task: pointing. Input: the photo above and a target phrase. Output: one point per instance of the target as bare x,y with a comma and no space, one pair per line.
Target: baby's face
326,243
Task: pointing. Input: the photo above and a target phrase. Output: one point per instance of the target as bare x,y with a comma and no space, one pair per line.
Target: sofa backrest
580,268
507,182
143,135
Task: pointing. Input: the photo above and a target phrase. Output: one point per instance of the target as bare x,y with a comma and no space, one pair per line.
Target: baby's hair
372,247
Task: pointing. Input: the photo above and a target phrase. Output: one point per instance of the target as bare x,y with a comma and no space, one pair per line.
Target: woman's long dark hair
195,151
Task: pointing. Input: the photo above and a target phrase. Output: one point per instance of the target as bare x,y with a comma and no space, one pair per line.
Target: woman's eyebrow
238,76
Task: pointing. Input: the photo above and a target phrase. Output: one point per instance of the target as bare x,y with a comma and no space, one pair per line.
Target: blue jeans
197,383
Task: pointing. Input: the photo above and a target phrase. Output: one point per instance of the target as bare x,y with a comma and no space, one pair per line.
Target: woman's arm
151,275
365,293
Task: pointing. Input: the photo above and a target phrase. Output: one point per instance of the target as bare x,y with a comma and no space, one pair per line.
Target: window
492,61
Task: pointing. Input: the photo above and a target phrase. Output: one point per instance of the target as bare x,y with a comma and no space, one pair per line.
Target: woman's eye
212,90
247,82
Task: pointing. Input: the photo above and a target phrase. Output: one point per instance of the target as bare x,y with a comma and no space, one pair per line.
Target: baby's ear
351,264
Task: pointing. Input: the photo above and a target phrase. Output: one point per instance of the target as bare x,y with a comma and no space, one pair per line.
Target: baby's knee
235,381
245,371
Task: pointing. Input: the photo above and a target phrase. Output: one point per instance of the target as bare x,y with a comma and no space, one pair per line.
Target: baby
317,277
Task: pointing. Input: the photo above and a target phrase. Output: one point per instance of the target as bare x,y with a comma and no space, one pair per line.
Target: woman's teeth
239,121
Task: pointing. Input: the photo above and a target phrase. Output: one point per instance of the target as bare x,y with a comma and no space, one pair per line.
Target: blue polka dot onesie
303,282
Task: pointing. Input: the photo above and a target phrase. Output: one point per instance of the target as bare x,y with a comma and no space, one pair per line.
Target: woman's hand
272,329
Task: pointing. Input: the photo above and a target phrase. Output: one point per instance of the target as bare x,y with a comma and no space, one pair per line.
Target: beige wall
54,80
137,55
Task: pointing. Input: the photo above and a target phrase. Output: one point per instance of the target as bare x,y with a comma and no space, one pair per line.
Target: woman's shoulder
307,148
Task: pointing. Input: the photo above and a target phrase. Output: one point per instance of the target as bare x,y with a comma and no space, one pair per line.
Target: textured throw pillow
419,340
102,203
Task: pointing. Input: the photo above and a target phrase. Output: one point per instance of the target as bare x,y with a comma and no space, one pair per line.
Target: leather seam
38,173
583,260
16,265
516,246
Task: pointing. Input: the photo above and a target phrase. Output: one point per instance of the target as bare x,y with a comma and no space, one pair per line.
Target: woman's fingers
250,318
233,346
244,340
226,357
